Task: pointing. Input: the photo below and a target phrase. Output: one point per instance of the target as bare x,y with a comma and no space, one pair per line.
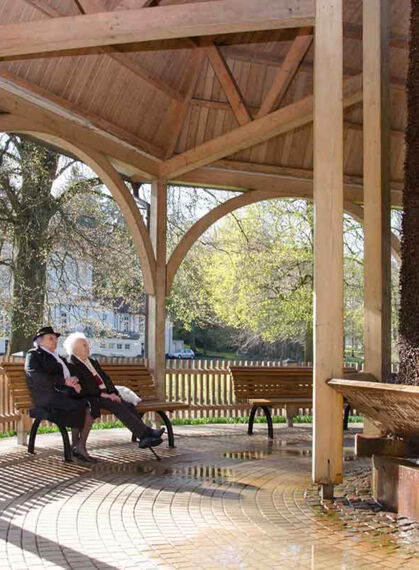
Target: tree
56,218
409,274
27,202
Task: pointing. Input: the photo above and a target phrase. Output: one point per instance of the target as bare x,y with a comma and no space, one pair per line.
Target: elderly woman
98,387
57,391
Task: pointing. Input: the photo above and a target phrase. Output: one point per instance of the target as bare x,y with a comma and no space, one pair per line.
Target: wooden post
377,226
328,244
156,349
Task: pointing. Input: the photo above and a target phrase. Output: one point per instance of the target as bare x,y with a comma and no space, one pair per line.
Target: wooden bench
267,387
394,409
137,377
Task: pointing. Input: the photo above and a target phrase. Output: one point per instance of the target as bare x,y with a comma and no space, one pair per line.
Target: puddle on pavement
250,454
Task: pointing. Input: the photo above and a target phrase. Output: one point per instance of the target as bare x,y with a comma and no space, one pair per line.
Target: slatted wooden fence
204,384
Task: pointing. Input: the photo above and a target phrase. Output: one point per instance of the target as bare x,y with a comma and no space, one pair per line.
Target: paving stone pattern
221,499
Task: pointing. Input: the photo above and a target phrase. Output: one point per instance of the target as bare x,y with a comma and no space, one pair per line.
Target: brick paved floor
219,500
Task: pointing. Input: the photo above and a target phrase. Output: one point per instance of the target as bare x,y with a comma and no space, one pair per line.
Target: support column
156,349
377,224
328,244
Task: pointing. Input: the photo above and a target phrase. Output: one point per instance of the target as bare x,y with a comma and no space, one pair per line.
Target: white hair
71,340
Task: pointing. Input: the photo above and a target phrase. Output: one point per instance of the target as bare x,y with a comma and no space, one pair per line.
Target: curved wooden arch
112,180
251,197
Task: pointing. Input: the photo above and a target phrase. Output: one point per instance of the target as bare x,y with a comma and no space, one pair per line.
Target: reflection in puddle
205,472
248,454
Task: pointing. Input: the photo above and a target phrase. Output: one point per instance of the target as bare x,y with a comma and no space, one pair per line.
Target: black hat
45,330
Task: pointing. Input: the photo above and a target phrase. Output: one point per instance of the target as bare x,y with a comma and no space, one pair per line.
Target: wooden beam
159,23
328,244
260,130
281,170
287,71
224,106
228,83
377,200
157,302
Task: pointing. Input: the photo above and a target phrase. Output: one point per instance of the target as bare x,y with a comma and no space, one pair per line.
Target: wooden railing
204,384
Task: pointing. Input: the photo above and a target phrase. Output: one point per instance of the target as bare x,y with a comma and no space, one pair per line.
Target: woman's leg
84,434
75,436
131,419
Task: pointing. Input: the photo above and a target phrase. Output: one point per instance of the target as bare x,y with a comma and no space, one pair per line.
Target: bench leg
291,412
32,436
68,456
22,430
251,420
169,427
268,415
346,416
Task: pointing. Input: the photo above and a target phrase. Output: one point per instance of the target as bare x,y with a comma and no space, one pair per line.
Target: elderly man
57,391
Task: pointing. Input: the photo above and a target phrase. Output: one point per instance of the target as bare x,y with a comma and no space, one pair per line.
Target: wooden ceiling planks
126,101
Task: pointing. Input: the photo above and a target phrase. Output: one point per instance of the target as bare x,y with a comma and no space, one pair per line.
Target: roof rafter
228,83
287,71
258,131
144,25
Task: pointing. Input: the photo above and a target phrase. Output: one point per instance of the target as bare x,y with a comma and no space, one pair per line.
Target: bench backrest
137,377
252,382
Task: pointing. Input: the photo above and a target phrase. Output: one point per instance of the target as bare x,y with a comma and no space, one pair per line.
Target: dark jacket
45,377
87,381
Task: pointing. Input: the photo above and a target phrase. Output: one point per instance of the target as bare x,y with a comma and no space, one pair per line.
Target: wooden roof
159,99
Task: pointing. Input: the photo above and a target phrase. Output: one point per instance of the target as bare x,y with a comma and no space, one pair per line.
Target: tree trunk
409,272
34,206
29,287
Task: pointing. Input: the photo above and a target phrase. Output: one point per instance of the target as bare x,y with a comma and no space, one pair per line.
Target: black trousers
126,413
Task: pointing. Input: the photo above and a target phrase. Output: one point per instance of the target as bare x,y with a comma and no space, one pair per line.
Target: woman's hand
73,382
113,397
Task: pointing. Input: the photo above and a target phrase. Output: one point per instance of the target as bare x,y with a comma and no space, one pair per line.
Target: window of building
111,345
119,346
127,346
103,345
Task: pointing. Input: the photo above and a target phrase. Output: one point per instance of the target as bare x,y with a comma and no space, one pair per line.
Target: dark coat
45,377
87,381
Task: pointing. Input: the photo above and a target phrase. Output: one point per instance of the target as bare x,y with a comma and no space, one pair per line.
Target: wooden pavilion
272,98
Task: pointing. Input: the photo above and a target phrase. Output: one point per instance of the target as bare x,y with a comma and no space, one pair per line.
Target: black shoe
156,432
146,442
80,456
92,459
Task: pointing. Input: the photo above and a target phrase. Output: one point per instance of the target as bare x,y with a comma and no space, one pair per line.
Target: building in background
113,329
